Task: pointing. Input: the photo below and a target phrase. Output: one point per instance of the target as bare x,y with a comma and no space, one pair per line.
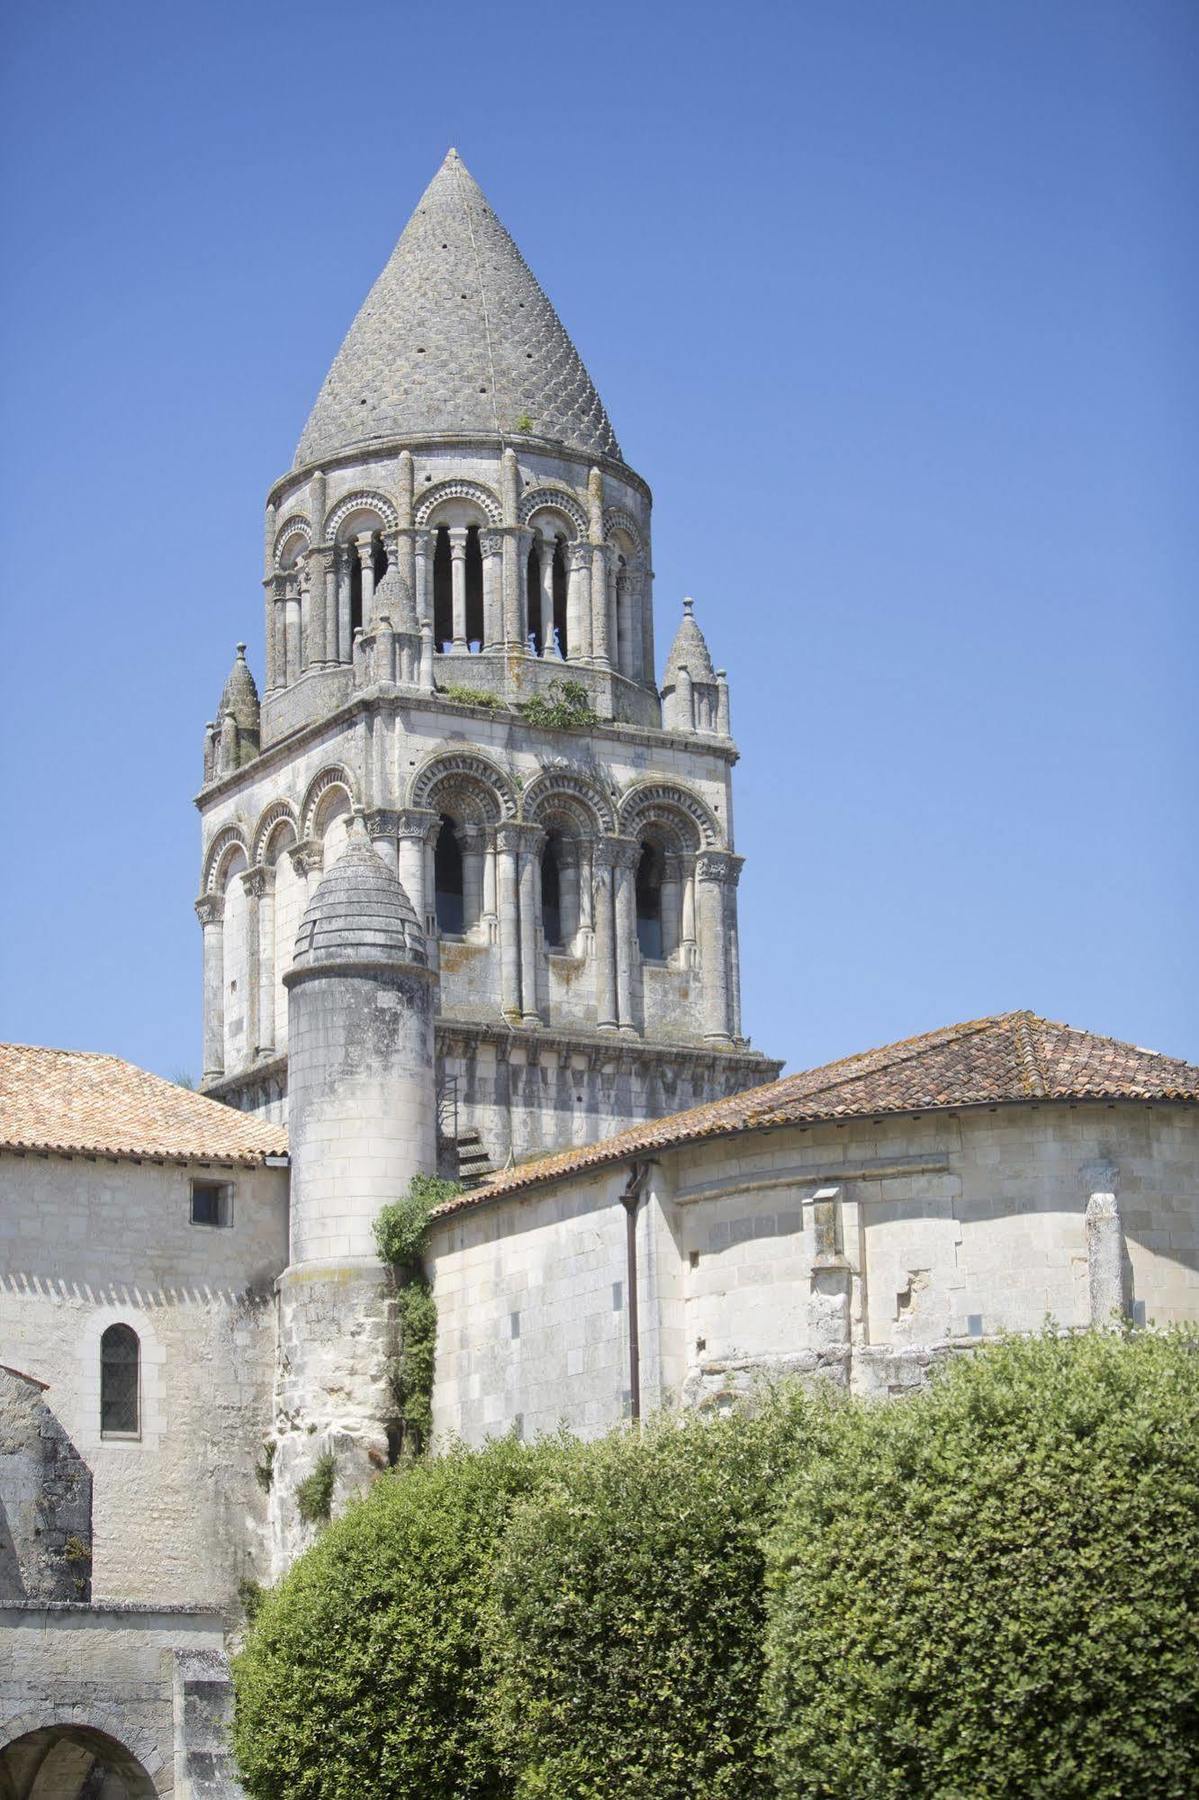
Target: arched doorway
71,1762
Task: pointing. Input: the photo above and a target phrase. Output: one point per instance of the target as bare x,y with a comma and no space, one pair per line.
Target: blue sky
889,303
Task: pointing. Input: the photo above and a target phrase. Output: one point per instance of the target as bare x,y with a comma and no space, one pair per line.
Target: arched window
649,902
533,590
119,1371
551,895
379,557
443,591
447,881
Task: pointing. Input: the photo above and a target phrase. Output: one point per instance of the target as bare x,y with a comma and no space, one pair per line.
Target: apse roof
456,336
987,1062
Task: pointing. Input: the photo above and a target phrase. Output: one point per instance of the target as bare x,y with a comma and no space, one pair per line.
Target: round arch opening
71,1762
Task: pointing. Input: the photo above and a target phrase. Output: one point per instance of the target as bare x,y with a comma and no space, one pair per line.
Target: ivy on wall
400,1232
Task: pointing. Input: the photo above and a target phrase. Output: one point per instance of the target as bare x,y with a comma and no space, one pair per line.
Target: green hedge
993,1590
361,1672
626,1619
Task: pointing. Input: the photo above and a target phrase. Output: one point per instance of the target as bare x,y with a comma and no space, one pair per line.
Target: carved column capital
382,823
457,536
419,822
616,853
718,865
258,881
519,837
210,909
308,857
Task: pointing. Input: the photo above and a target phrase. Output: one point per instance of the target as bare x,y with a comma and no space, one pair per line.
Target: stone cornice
378,449
607,731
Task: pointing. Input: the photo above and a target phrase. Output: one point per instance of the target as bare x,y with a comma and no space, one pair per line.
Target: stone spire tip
688,605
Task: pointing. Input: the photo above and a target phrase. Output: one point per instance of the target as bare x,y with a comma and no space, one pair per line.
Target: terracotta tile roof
987,1062
80,1101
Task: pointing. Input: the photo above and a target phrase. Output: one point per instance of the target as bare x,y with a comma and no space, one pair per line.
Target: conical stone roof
359,913
239,695
456,337
689,651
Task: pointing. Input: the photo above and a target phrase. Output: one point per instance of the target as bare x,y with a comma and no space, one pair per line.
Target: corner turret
695,697
234,737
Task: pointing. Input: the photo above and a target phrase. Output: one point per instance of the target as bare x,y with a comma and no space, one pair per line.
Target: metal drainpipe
630,1198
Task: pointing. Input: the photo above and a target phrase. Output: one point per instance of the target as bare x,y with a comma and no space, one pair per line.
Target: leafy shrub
565,706
626,1618
314,1495
362,1672
470,696
993,1589
400,1226
412,1378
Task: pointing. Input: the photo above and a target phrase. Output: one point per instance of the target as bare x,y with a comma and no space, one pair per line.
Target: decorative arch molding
465,774
140,1762
564,783
677,808
296,526
278,813
556,499
362,500
617,519
483,497
226,841
318,787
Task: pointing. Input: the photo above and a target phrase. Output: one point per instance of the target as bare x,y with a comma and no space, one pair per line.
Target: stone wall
866,1252
178,1516
145,1688
45,1500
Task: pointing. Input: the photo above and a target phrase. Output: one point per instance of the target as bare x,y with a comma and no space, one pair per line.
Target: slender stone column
525,601
601,636
259,929
732,940
472,841
424,544
672,902
605,937
210,910
723,726
345,647
531,840
546,564
711,874
568,887
491,546
627,854
628,599
312,613
578,603
274,668
490,894
647,623
264,880
291,627
687,919
364,544
1105,1247
507,850
460,646
417,828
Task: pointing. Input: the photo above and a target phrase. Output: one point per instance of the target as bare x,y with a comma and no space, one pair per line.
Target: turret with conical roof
234,736
695,696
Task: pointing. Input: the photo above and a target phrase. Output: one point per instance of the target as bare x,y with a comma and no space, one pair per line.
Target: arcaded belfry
363,1112
459,536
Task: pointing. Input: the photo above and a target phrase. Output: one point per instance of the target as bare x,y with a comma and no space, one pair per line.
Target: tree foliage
626,1617
993,1589
362,1670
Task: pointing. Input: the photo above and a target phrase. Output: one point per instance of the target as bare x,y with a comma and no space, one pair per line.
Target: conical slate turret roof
393,600
239,694
456,336
360,913
689,651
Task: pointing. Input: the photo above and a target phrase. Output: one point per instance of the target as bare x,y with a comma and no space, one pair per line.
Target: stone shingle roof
360,913
689,651
81,1102
455,337
987,1062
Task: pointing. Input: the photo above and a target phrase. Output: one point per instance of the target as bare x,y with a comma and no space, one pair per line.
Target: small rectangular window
617,1295
974,1324
212,1203
514,1324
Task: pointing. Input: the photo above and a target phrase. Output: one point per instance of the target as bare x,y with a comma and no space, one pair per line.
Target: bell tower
460,645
